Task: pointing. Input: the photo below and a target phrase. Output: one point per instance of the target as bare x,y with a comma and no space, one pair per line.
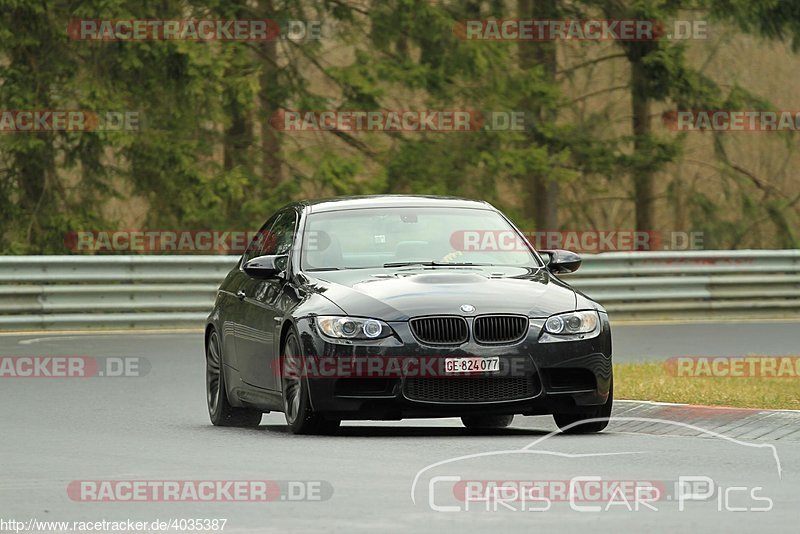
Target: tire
564,420
219,409
300,416
486,422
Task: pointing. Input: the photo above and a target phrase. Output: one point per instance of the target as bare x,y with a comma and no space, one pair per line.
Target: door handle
240,294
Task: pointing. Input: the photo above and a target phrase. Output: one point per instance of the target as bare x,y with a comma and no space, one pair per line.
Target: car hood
398,294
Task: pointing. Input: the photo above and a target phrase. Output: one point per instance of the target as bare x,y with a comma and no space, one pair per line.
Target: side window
259,241
275,237
280,237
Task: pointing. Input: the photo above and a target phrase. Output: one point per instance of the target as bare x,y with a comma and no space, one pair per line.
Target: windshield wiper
429,264
317,269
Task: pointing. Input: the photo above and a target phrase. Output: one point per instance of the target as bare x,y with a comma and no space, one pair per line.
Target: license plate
471,365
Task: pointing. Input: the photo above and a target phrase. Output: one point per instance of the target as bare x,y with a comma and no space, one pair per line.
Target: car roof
391,201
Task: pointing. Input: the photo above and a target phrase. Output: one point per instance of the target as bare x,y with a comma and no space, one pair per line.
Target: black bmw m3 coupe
391,307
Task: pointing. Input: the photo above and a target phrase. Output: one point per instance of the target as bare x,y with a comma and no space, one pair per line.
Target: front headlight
570,326
353,327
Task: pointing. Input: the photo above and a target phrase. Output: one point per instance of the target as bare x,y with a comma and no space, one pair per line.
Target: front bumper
534,378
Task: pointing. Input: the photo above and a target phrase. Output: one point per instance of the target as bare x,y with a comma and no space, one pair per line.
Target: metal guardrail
708,284
69,292
72,292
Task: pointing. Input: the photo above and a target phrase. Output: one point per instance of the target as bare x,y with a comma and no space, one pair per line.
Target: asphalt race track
731,338
379,476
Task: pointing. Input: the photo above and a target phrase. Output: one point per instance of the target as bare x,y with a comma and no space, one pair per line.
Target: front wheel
565,421
219,409
300,416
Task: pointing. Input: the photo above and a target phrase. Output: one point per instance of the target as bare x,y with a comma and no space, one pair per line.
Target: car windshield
396,237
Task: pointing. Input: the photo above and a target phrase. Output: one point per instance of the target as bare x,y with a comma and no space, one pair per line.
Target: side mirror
560,261
264,267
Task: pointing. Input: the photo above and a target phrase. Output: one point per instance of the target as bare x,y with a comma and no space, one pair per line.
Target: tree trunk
541,192
238,136
271,163
34,164
642,176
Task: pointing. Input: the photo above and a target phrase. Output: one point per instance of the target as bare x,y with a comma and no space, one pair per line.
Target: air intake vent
472,389
500,328
440,330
